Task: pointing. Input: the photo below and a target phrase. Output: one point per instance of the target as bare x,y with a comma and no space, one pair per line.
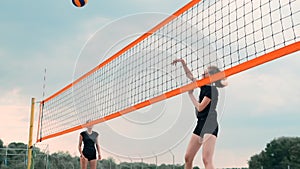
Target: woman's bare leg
209,142
93,164
193,147
83,163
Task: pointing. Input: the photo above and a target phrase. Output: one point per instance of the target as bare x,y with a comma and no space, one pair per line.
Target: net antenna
233,35
44,83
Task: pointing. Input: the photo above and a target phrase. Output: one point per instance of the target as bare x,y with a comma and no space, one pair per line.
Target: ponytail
220,83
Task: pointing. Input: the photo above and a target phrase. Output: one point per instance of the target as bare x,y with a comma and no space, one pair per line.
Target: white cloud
14,116
267,88
11,97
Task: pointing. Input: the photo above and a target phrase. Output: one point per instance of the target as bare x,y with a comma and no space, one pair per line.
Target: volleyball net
233,35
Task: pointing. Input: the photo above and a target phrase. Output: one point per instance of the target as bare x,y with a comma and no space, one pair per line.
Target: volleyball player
88,154
206,130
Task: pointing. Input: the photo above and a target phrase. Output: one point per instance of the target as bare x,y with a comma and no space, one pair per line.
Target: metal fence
17,158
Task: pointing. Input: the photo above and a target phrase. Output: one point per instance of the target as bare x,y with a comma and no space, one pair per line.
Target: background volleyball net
233,35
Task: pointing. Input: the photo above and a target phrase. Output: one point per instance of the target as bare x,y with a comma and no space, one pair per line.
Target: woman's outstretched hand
178,60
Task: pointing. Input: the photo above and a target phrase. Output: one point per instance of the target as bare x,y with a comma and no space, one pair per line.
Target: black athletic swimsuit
207,118
89,141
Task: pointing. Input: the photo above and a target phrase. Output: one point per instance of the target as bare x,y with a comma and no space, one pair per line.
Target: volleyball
79,3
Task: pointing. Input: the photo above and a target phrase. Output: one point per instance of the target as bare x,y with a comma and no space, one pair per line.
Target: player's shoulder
82,133
96,133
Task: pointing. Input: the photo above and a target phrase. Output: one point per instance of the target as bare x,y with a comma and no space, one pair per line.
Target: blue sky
259,105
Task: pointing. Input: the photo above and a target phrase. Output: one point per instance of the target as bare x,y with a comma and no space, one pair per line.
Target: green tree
107,164
17,155
295,155
2,153
62,160
40,159
278,154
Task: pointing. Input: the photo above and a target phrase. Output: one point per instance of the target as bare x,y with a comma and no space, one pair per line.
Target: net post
30,133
